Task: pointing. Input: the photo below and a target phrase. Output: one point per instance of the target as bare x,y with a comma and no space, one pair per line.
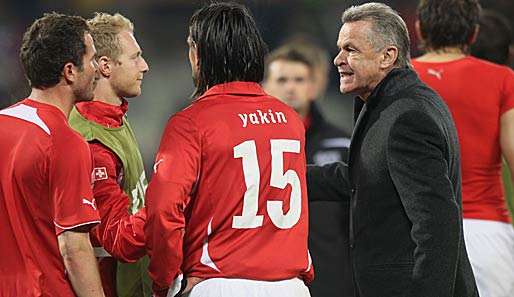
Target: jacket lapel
356,129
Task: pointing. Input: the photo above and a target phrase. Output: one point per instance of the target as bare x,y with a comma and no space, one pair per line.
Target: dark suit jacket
403,178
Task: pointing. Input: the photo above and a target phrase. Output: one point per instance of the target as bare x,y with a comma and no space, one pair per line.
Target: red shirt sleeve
507,92
70,184
119,233
176,170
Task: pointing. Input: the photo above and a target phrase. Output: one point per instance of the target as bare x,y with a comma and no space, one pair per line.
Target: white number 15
249,218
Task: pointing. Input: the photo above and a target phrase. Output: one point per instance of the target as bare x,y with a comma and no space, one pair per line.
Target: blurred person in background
480,96
227,204
296,73
46,203
119,180
494,38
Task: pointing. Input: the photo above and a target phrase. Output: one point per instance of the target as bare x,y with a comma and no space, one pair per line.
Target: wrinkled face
193,59
358,62
83,89
292,83
129,67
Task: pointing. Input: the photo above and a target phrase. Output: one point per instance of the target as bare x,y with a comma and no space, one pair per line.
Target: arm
419,170
507,127
328,183
120,233
176,169
507,145
74,213
80,263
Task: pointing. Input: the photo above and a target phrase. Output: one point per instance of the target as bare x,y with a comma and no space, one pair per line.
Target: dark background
161,29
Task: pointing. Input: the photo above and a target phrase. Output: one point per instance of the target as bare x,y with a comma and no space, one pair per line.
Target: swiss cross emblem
99,173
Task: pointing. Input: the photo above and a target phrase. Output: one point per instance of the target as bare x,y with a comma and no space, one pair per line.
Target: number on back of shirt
247,151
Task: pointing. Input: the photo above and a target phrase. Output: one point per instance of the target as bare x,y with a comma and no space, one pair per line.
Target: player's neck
446,54
105,93
55,96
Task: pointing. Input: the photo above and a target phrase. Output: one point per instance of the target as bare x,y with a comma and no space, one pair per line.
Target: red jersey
477,93
228,198
45,189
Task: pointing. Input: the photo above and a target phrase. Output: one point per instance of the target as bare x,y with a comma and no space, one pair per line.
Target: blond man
119,180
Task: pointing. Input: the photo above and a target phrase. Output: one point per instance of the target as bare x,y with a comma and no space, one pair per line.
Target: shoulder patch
99,173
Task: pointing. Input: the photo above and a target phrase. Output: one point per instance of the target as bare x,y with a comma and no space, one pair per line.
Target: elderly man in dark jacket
403,175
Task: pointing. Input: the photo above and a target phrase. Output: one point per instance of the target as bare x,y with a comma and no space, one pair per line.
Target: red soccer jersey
45,189
477,93
229,187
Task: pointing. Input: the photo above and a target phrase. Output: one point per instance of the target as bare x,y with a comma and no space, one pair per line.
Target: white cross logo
99,173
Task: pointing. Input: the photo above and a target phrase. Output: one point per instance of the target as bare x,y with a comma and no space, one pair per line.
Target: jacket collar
394,82
103,113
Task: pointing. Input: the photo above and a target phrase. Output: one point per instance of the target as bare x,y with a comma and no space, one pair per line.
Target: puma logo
87,202
436,73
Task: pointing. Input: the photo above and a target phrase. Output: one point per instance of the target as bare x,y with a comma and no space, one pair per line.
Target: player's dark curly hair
448,23
48,44
229,45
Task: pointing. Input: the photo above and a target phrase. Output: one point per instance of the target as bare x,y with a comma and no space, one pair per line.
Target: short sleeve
70,184
507,92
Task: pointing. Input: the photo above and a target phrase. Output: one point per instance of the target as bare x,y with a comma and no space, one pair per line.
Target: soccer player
227,205
480,96
119,179
46,203
295,72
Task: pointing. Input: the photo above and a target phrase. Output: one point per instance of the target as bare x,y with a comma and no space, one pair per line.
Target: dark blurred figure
297,74
494,38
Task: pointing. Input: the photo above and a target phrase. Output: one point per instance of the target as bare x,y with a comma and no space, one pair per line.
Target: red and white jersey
478,93
45,189
228,197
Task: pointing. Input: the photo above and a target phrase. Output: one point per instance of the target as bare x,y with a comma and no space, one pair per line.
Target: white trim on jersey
75,226
310,261
206,258
336,142
27,113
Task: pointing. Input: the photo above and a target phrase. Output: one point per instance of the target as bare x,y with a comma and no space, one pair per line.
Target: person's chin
135,92
88,97
345,89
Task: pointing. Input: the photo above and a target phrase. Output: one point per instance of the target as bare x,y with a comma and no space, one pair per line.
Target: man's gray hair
387,26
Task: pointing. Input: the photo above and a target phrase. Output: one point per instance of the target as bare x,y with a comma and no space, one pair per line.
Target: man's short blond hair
104,30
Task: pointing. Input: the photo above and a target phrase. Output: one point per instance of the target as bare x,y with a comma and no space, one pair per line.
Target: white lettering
264,117
281,117
244,118
253,119
271,116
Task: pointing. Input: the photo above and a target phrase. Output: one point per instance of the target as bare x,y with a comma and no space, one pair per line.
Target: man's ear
389,57
105,65
69,72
